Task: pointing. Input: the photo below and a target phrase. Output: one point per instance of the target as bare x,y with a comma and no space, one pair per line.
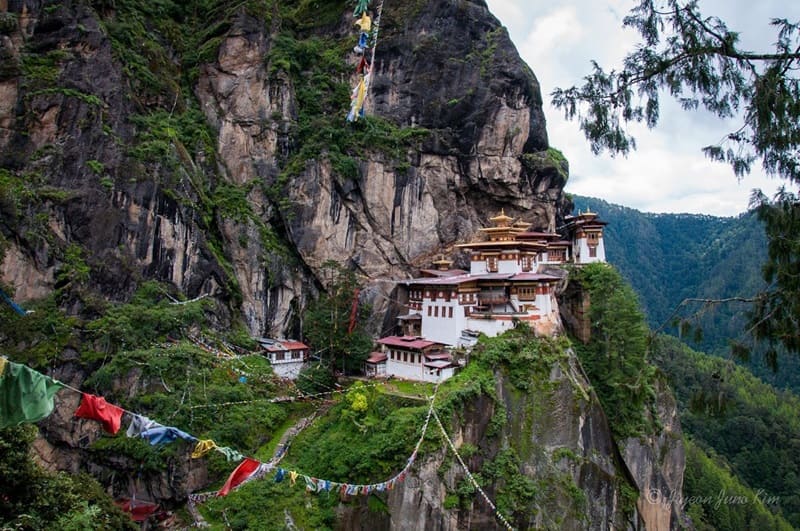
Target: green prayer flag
25,395
229,453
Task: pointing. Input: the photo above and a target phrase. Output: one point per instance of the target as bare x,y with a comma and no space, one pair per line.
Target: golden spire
443,264
501,220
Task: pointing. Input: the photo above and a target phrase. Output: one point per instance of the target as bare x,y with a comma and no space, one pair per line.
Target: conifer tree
698,61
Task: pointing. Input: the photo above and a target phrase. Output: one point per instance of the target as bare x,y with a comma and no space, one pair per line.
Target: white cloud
511,14
668,173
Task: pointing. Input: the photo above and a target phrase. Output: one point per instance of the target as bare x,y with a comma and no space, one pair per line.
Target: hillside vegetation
728,411
671,257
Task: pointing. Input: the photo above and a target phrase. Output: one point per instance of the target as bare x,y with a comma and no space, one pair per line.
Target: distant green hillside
670,257
751,426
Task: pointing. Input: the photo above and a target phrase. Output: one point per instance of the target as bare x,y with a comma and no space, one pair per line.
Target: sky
668,172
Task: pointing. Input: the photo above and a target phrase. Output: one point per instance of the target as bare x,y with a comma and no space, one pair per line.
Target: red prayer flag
242,472
96,408
353,313
139,510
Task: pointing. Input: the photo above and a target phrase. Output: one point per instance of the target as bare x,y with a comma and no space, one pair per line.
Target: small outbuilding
286,356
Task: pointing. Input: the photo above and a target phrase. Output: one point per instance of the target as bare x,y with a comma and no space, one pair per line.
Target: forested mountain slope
728,411
671,257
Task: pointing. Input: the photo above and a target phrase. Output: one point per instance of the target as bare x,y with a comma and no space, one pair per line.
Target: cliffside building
287,357
585,233
415,358
513,276
510,280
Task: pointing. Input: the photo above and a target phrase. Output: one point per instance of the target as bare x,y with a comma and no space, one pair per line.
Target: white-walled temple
509,281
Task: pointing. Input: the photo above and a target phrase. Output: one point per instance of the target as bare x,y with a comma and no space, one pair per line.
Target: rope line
283,448
471,477
377,27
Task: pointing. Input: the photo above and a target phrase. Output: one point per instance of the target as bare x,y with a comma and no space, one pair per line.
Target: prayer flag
164,435
229,453
96,408
202,448
140,424
245,469
25,395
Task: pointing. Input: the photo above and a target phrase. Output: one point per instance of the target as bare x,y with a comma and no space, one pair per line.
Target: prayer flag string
96,408
367,44
470,476
27,395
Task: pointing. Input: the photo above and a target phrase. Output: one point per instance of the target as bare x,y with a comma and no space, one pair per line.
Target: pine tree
699,61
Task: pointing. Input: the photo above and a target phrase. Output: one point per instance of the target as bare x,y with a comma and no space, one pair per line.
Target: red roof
377,357
408,342
293,345
533,276
439,364
438,356
280,345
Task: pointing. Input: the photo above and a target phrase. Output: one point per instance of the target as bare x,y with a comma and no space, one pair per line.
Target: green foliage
147,318
700,63
74,269
315,378
42,70
192,389
697,256
517,494
31,498
716,499
616,358
753,426
149,459
22,195
89,99
327,320
357,399
40,337
775,318
527,359
8,22
166,137
264,505
319,72
96,166
338,449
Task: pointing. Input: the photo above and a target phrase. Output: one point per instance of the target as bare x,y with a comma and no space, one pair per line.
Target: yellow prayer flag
202,448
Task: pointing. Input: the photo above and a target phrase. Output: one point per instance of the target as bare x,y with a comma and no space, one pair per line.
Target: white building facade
416,358
287,357
511,280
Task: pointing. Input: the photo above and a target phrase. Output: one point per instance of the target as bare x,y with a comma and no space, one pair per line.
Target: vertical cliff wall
205,146
532,431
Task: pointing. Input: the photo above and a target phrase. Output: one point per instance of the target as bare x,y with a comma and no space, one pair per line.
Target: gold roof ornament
443,264
501,220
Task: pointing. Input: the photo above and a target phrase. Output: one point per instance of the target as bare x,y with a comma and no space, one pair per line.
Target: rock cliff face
557,435
112,170
209,151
